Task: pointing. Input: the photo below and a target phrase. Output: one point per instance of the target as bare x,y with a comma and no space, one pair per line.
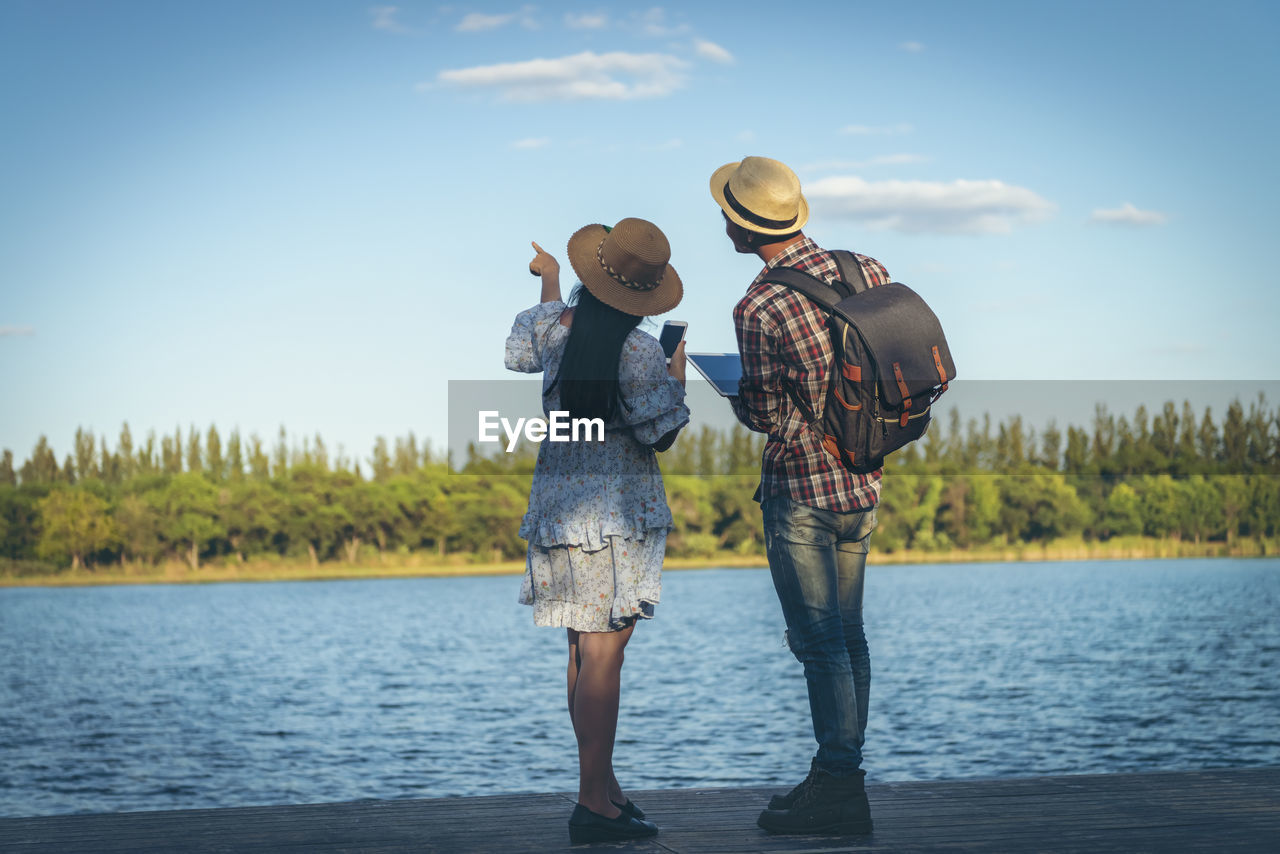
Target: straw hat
761,195
626,267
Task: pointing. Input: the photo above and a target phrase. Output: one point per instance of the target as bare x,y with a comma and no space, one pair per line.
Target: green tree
1076,459
1185,456
259,462
252,512
380,462
738,526
235,456
171,452
1233,497
195,456
214,463
42,467
1040,507
280,455
1208,441
1206,519
968,508
125,453
313,518
1122,514
188,507
19,521
73,523
138,524
147,461
86,455
1165,506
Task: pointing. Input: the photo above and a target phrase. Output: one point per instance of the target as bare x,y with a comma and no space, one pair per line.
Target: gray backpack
891,363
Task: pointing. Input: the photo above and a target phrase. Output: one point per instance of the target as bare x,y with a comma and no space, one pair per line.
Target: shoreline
415,567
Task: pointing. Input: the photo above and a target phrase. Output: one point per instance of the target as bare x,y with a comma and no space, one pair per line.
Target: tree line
1170,474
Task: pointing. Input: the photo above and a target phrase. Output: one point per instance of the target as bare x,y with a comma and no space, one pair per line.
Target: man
818,516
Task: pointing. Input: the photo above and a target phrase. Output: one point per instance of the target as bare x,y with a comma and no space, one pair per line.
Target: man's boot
830,805
785,802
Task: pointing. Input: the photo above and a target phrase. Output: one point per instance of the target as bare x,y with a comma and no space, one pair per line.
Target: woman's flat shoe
629,808
588,826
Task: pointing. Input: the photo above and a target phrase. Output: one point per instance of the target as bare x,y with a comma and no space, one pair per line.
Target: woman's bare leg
575,663
595,682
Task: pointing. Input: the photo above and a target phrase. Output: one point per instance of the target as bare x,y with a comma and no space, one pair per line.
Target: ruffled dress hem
557,613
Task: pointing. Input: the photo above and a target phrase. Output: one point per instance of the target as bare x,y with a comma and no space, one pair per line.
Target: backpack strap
811,286
852,280
850,270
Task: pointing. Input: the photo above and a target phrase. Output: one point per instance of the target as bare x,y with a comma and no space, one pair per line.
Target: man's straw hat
626,266
761,195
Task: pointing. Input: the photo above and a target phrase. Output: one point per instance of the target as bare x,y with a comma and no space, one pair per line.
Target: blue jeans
818,559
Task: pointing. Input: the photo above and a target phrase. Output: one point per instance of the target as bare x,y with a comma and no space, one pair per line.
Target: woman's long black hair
588,375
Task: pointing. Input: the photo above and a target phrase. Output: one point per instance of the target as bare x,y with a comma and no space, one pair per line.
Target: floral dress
598,518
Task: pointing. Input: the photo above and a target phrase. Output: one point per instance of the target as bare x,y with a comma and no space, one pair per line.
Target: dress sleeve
528,339
653,400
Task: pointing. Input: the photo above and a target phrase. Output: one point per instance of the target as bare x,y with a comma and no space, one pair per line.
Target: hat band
755,218
630,284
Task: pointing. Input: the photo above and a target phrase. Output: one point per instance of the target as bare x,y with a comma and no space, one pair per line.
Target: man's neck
769,251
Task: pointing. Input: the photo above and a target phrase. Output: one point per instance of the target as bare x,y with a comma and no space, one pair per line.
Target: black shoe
588,826
785,802
831,805
629,808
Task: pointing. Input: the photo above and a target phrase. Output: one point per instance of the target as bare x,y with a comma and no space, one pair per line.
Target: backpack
891,363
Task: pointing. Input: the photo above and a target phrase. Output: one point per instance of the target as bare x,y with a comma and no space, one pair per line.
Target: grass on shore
26,574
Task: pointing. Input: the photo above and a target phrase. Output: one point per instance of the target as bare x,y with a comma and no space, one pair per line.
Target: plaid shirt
786,354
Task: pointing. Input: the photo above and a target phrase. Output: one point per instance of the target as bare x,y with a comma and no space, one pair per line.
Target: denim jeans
818,560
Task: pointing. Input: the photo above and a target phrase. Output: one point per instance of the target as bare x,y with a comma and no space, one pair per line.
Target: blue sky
315,214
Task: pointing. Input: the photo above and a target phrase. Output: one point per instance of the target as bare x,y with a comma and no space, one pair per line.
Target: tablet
722,370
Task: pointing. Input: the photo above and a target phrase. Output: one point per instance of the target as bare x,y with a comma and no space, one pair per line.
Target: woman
598,518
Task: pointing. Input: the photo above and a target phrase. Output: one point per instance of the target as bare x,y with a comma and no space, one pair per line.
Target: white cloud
586,21
911,47
532,142
958,207
1127,214
384,18
653,22
614,76
881,160
15,331
713,52
477,22
746,136
880,130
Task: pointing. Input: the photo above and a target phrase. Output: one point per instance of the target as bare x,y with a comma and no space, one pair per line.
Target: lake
163,697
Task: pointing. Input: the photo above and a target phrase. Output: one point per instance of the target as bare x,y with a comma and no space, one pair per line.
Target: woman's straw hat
626,267
761,195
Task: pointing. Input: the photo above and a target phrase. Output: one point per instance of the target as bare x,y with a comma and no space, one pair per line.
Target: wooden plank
1215,810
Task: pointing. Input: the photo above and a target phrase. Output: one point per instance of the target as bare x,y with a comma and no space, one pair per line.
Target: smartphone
672,334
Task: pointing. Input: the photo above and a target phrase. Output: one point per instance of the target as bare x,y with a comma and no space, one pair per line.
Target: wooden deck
1225,810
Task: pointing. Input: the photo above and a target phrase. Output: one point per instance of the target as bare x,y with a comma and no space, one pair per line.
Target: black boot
830,805
785,802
